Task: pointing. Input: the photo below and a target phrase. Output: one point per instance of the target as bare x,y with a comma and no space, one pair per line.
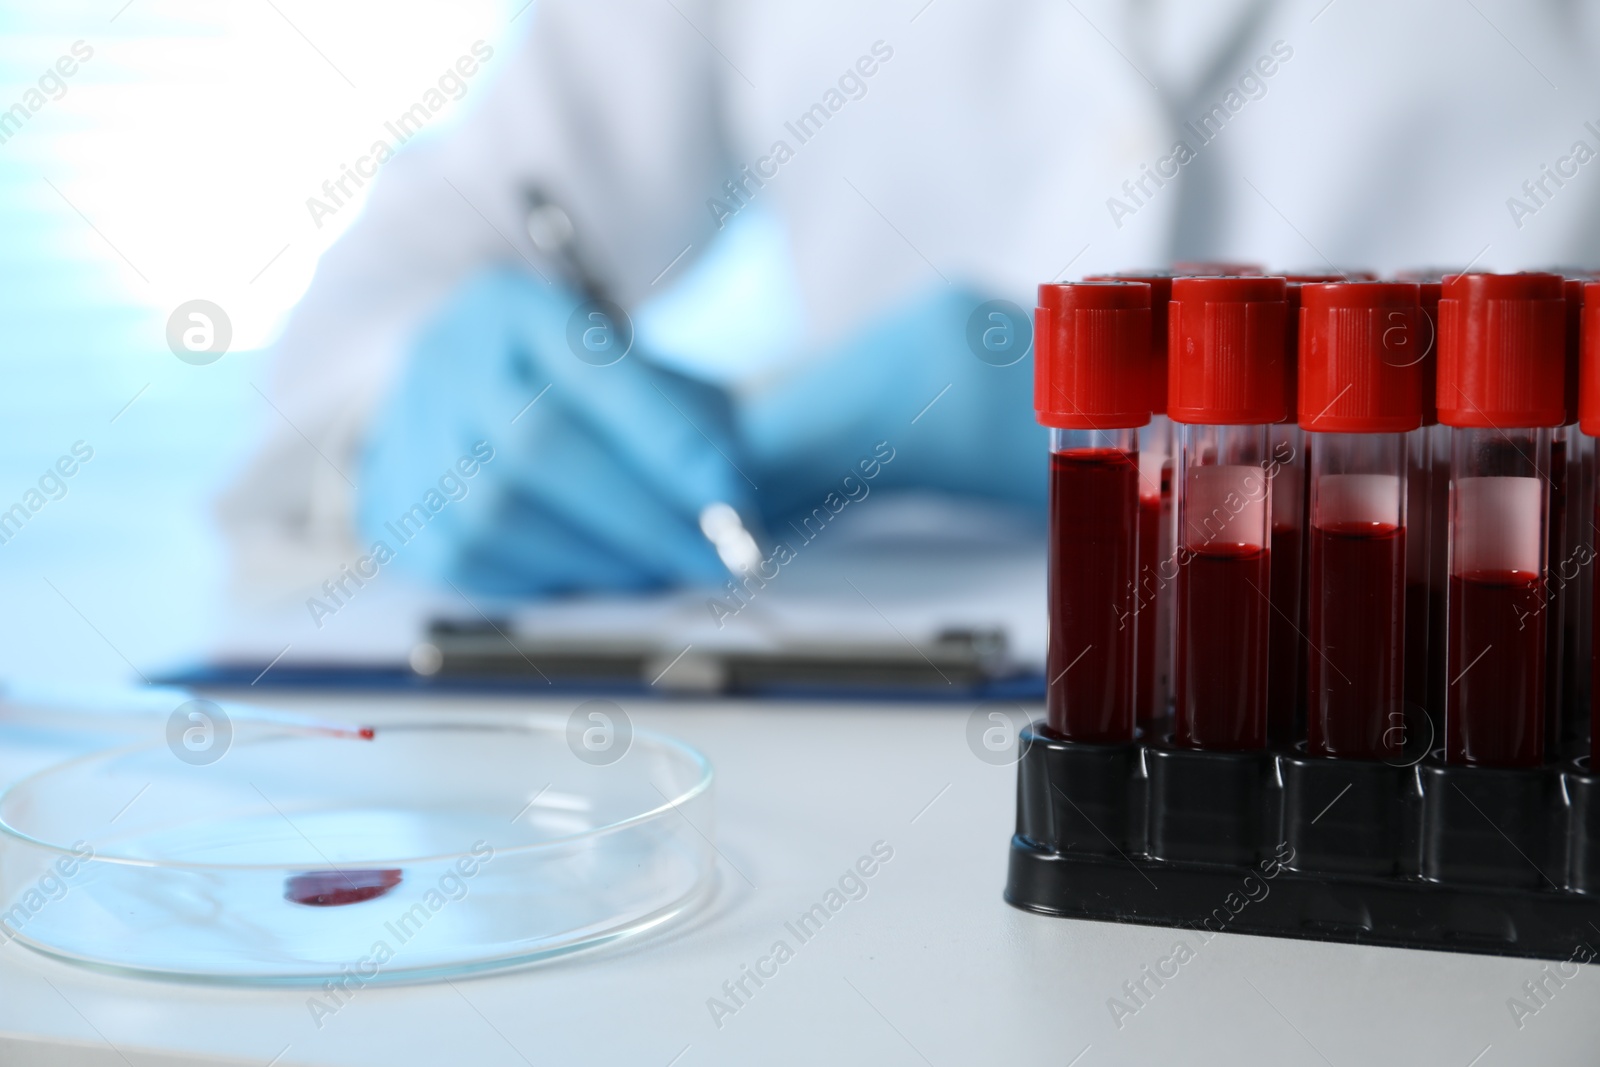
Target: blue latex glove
978,439
598,485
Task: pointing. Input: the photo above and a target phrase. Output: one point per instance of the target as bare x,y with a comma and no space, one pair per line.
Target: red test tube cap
1091,355
1160,283
1502,350
1361,346
1291,373
1226,356
1589,362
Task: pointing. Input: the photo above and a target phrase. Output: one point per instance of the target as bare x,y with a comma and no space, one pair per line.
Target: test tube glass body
1092,389
1575,570
1502,388
1563,442
1153,591
1286,644
1153,587
1437,532
1496,632
1589,425
1291,448
1357,594
1428,515
1094,538
1568,497
1594,603
1224,564
1424,610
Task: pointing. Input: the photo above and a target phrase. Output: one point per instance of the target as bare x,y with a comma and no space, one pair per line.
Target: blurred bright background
176,166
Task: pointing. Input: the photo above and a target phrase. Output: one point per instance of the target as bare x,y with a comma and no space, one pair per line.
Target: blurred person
921,158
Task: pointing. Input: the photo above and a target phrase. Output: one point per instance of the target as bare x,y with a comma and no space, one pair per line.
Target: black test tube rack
1467,859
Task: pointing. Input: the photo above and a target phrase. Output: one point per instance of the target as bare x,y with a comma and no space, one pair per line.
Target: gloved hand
958,423
597,485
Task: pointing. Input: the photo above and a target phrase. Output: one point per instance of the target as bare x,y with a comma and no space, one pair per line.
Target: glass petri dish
430,850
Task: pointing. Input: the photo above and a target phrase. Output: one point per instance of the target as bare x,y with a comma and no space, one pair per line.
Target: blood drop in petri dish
330,889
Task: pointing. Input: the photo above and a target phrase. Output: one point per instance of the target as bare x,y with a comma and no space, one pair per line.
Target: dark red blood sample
1417,623
1094,505
1355,682
1438,534
329,889
1222,648
1574,663
1284,642
1556,608
367,733
1147,583
1494,696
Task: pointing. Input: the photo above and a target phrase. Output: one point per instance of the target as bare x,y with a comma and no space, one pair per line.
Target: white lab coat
989,145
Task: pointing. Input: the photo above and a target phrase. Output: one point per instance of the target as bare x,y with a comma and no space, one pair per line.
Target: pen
735,545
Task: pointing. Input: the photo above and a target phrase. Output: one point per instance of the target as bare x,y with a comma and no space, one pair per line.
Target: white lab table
931,966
